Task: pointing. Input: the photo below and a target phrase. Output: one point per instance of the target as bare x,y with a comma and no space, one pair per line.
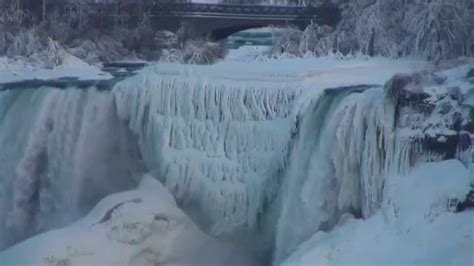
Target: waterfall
61,152
218,146
257,159
266,156
345,147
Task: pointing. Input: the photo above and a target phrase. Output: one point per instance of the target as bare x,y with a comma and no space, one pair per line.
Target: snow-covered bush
102,49
197,51
54,54
171,55
109,49
203,52
6,39
166,39
433,30
441,30
85,50
287,42
26,43
315,40
11,16
59,27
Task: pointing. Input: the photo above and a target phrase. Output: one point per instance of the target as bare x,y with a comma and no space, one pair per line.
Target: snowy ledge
324,72
16,70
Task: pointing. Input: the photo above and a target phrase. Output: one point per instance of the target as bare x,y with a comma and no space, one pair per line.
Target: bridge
219,21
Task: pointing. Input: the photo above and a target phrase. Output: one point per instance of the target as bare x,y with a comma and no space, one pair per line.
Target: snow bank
314,73
415,225
12,70
139,227
246,53
456,75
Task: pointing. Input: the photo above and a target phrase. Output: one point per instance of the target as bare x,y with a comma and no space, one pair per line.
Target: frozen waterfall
244,158
217,146
61,152
345,147
258,154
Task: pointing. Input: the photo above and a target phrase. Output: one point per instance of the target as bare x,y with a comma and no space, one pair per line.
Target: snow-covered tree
433,30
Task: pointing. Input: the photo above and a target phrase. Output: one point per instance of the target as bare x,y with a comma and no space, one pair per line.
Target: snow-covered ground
12,70
415,225
139,227
246,53
323,72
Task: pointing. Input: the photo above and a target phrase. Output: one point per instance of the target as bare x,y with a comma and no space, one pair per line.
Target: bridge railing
229,9
220,2
160,8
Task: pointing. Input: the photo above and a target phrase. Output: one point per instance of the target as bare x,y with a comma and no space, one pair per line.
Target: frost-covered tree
433,30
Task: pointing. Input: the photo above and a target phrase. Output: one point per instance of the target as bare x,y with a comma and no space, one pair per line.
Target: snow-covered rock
138,227
433,108
415,225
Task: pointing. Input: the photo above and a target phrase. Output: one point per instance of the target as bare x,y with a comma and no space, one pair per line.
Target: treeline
27,25
429,29
42,30
74,12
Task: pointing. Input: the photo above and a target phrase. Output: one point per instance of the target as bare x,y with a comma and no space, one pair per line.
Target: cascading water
345,147
61,152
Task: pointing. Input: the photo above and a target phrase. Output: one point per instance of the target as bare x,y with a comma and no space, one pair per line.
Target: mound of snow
18,69
246,53
413,226
139,227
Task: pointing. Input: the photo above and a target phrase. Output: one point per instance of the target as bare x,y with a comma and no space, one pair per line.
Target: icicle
69,151
345,149
231,139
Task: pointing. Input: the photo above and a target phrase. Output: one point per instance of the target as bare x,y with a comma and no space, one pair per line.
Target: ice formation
345,148
414,225
223,144
245,153
137,227
61,152
219,146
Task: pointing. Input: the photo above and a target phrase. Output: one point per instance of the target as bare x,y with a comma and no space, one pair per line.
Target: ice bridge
219,21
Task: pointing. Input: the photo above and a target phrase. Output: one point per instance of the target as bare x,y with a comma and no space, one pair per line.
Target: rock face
468,203
431,111
139,227
470,74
